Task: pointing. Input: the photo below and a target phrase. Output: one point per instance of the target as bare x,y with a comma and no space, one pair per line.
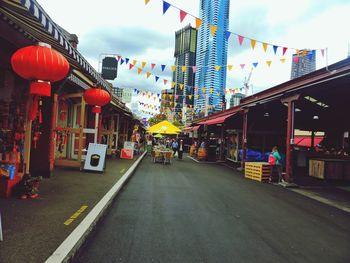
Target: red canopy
217,120
306,140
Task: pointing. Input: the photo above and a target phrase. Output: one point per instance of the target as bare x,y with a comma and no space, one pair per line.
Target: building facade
236,99
184,76
211,51
303,63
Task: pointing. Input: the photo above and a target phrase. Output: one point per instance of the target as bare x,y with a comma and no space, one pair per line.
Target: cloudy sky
141,32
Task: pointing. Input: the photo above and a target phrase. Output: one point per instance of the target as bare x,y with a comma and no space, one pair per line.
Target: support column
312,139
53,132
222,157
81,129
244,138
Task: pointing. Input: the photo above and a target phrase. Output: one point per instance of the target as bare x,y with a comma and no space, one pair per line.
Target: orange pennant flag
304,53
269,62
265,46
252,43
173,67
139,70
203,90
183,68
146,2
229,67
213,29
148,74
198,23
283,60
217,68
143,64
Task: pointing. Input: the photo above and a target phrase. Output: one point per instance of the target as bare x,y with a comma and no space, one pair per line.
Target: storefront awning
217,120
191,129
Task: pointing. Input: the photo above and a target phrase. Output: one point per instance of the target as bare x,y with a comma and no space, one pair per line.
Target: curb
73,242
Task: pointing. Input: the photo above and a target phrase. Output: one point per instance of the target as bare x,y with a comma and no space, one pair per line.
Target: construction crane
246,84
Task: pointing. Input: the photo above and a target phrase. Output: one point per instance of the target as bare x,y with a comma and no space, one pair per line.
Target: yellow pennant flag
139,70
268,63
173,67
203,90
265,46
148,74
218,94
217,67
170,96
171,103
283,60
252,43
198,22
297,52
173,84
190,97
213,29
183,68
143,64
197,96
229,67
134,62
304,53
146,2
181,86
211,90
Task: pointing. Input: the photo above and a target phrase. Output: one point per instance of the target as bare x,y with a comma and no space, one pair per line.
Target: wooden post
312,139
117,132
53,132
81,129
244,138
27,139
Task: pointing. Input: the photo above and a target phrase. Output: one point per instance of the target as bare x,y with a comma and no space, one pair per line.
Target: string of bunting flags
240,38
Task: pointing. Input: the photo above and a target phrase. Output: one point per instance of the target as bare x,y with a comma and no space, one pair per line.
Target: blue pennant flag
121,61
158,95
138,92
310,54
255,64
126,60
227,35
160,100
166,5
275,49
163,67
157,78
189,88
135,90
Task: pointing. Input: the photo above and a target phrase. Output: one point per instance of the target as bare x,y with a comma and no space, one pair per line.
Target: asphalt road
190,212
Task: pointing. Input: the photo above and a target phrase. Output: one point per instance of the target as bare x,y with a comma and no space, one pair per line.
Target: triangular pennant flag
182,15
165,82
227,35
134,62
213,29
217,67
264,46
148,74
268,62
131,66
173,84
173,68
211,90
166,6
139,70
311,53
203,90
240,40
275,49
197,96
143,64
181,86
163,67
121,61
156,77
170,96
198,23
183,68
252,43
153,65
255,64
146,2
190,97
177,97
304,53
126,60
283,60
242,66
118,57
284,51
322,52
194,68
296,59
229,67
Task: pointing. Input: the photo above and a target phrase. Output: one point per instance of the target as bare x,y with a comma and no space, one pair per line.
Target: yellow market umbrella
164,127
158,135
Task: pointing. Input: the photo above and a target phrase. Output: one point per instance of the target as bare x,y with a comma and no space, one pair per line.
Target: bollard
1,237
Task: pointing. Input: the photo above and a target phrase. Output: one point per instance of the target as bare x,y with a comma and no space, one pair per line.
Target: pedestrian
180,149
174,146
276,164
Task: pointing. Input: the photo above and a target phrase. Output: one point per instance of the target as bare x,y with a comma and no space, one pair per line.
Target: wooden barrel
192,150
202,154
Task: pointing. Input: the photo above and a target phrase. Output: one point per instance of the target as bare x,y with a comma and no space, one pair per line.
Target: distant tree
156,119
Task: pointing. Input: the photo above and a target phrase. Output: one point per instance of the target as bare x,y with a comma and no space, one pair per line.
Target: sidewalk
34,228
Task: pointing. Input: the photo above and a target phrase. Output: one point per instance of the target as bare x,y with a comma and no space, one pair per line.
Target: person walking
276,164
174,146
180,149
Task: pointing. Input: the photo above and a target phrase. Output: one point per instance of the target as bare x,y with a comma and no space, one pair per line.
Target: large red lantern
40,64
97,97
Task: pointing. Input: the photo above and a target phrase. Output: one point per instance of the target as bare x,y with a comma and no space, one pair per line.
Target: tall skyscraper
236,99
306,63
211,51
185,55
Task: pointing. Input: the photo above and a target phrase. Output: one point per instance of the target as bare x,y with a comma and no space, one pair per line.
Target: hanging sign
109,68
127,94
96,157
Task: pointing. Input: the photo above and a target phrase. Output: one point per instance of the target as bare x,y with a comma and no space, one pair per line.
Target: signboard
127,95
127,154
95,157
129,145
109,68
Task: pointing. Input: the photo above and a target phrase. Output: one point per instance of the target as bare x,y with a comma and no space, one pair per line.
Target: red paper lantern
97,97
40,64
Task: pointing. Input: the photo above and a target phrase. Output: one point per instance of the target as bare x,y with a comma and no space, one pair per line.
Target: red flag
130,66
182,15
240,40
165,81
284,50
296,59
153,65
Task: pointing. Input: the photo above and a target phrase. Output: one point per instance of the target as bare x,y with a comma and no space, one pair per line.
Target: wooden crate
316,168
259,171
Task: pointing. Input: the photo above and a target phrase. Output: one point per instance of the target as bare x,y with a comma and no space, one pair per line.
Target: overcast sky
141,32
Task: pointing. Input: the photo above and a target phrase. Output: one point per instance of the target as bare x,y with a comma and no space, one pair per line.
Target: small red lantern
97,97
40,64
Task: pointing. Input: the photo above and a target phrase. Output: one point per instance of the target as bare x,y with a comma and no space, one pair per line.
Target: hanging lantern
41,65
97,97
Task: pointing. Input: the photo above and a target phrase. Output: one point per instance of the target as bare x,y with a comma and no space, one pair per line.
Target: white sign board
129,145
127,95
95,157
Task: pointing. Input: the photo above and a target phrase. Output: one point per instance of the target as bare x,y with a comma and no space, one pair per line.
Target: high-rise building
185,58
211,52
236,99
303,63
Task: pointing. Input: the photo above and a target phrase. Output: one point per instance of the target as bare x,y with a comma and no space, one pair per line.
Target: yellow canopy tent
164,127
